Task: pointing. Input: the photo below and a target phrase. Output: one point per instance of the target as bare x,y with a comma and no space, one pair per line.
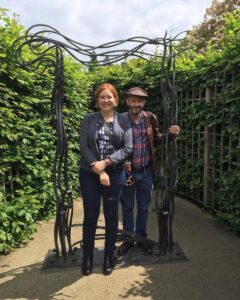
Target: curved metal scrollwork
47,46
108,53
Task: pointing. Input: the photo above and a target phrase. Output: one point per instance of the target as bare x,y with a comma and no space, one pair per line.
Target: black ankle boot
108,265
87,265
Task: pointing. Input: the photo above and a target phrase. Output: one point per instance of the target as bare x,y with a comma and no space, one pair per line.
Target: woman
106,142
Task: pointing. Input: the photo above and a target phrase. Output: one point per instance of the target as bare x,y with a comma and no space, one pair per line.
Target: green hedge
27,140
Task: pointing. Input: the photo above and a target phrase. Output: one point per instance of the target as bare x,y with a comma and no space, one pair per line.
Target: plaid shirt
140,156
104,131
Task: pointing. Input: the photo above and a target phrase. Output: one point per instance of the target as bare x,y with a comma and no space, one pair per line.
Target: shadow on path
213,269
30,282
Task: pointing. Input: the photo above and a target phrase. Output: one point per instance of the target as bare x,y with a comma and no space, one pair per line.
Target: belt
141,169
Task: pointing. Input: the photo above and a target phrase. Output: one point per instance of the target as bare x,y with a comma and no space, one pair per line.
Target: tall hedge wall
27,140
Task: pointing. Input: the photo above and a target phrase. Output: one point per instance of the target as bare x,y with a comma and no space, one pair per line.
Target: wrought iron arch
48,46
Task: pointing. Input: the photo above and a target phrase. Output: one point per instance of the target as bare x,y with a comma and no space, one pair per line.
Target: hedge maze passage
209,148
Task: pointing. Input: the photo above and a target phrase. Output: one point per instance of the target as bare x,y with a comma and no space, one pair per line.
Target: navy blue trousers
92,193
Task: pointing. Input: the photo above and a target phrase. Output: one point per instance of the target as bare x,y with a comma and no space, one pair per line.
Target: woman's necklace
108,118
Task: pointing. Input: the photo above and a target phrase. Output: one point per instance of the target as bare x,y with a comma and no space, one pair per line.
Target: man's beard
134,112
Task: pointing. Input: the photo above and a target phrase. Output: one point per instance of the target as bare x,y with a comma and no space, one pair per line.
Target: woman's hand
98,166
104,178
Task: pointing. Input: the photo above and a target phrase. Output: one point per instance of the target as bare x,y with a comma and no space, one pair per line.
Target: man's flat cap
137,91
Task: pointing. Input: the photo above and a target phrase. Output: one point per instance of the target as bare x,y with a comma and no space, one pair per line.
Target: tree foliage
211,30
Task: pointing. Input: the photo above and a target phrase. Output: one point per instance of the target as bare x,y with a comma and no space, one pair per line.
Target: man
146,136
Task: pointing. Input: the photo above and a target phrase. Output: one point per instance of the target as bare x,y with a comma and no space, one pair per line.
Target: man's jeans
141,190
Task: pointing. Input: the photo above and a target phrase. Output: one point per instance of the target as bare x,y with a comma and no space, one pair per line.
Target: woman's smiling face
106,101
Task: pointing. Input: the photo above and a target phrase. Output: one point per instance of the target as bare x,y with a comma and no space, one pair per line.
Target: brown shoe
124,247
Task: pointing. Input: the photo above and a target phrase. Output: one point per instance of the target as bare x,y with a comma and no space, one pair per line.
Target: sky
94,22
